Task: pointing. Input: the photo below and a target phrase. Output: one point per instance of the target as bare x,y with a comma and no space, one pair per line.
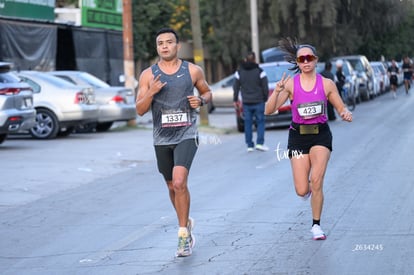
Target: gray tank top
173,118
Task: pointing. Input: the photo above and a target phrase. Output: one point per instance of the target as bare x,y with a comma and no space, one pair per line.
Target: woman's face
306,59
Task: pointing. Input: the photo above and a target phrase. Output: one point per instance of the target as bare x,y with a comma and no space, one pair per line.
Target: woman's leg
319,157
301,169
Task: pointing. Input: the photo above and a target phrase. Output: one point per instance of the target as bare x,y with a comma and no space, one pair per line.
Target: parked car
16,103
381,74
222,93
60,105
115,103
283,116
361,64
273,54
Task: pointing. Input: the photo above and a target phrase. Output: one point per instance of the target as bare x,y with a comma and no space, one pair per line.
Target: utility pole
198,50
128,42
254,28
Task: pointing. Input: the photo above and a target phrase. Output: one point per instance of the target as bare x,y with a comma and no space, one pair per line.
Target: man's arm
199,80
148,86
236,87
265,87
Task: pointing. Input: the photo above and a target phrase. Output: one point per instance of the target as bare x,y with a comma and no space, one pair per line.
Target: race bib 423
311,110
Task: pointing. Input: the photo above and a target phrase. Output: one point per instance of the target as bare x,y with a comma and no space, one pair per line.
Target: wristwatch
203,101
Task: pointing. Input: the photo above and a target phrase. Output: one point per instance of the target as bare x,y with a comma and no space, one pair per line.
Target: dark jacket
328,74
252,81
340,80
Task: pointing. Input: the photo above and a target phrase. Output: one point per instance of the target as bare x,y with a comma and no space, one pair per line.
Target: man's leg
184,154
181,194
260,121
248,124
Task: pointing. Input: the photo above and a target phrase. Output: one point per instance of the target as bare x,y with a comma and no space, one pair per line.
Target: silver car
222,93
381,75
115,103
60,105
16,103
365,72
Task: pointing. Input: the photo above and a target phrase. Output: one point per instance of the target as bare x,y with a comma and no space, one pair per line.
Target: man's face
167,46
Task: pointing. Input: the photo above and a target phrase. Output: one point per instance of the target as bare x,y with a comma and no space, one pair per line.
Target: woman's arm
279,96
336,100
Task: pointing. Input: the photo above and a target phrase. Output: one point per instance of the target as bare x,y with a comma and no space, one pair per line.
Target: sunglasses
303,58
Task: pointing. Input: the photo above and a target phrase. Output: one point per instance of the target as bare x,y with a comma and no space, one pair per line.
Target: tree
335,27
148,18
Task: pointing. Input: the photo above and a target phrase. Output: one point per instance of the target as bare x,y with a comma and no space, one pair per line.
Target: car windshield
93,81
275,72
356,64
345,70
53,80
376,68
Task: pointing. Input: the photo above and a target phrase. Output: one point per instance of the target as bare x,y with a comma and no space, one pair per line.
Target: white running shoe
190,226
317,233
184,246
262,147
250,149
307,195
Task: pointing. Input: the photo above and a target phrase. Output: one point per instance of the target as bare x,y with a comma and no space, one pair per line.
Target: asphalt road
96,204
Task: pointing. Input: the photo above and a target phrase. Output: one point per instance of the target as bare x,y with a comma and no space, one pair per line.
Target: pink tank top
309,107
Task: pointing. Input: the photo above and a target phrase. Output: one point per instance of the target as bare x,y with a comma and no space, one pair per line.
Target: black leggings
169,156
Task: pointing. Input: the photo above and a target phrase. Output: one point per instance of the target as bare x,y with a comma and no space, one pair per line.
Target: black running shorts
301,144
181,154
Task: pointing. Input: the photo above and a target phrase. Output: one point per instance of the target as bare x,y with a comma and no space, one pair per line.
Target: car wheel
2,137
358,98
365,94
240,125
47,125
103,127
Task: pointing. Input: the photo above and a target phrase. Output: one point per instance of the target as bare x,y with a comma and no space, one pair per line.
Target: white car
360,63
115,103
381,74
222,93
60,106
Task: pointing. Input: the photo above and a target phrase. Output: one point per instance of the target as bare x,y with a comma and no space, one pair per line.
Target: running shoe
262,147
190,226
317,233
250,149
184,246
307,195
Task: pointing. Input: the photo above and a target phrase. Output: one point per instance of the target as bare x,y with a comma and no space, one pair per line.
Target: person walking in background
393,71
327,73
339,76
167,88
252,82
407,68
310,138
